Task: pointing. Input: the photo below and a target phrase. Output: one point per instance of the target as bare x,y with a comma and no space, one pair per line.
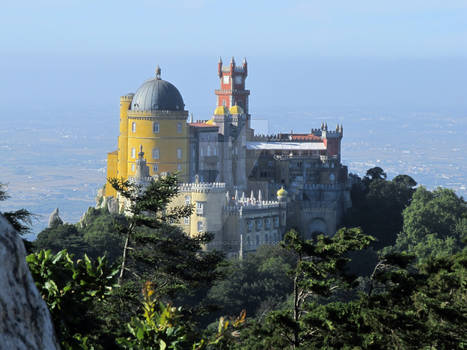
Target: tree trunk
122,267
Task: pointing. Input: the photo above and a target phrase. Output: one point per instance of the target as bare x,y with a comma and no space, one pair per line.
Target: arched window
200,226
133,127
179,128
133,153
179,153
155,168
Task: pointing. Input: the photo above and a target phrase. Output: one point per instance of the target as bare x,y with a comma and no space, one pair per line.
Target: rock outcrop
25,321
54,219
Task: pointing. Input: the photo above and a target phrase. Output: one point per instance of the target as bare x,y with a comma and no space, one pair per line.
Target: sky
303,54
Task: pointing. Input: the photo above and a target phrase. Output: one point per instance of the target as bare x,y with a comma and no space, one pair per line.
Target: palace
247,189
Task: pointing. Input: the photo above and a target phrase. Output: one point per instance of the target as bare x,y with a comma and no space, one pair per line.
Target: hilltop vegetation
393,277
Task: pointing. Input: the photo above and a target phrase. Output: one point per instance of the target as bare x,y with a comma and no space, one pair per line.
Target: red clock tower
232,91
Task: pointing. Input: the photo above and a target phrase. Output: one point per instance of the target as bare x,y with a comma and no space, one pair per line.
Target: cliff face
24,318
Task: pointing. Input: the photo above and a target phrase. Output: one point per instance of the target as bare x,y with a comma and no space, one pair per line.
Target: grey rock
25,321
54,219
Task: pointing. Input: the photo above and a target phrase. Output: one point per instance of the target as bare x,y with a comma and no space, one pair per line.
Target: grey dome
157,94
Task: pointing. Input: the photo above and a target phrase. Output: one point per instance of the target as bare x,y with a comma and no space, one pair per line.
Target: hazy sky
301,53
397,28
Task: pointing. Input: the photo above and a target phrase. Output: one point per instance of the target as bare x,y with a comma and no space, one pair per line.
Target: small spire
260,196
141,153
191,117
158,72
220,59
244,60
232,61
252,196
236,195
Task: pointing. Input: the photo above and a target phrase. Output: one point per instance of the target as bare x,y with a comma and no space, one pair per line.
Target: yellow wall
111,173
167,140
212,218
125,102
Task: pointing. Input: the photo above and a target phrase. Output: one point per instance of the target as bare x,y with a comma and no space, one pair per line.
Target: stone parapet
202,187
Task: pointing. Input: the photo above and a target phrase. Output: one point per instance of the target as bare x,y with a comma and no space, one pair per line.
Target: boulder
25,321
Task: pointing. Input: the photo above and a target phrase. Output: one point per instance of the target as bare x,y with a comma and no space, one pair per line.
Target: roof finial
158,72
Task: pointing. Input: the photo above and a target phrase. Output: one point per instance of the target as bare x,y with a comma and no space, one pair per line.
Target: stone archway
316,227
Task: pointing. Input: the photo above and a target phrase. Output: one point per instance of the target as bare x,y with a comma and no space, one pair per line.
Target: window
257,240
200,226
209,150
276,221
248,241
199,208
155,167
266,238
179,167
133,127
179,128
186,220
249,224
259,224
179,153
187,200
132,167
226,79
155,128
268,223
155,153
133,153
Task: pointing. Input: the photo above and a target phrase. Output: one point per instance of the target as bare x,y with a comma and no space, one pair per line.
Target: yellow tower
154,118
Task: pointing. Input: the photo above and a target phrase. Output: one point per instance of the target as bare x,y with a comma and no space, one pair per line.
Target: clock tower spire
232,85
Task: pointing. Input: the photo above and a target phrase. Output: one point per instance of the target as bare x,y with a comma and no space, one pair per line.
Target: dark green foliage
377,205
20,219
95,236
435,224
259,283
71,289
320,273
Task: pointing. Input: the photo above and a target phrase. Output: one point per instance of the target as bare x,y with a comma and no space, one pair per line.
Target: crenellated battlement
262,137
127,98
202,187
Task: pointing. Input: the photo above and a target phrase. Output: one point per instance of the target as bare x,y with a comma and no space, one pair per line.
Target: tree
434,224
259,283
377,206
20,219
320,273
71,290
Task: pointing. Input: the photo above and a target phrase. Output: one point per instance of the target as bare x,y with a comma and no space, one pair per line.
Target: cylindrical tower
122,163
157,121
